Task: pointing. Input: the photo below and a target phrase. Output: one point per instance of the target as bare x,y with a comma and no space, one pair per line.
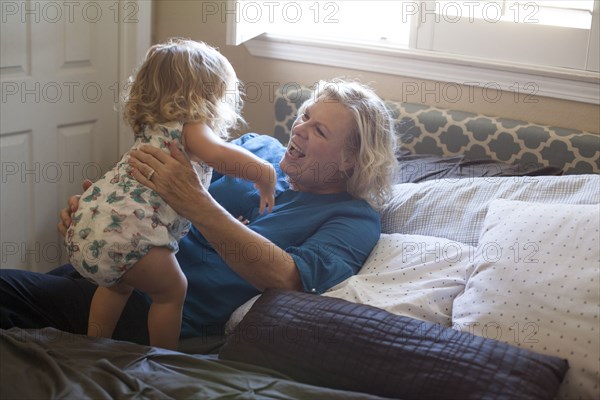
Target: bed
484,284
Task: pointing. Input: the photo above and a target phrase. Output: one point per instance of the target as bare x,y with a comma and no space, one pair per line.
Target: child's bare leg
106,308
158,275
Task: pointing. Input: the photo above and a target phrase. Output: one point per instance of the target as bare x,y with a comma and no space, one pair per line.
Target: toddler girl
123,235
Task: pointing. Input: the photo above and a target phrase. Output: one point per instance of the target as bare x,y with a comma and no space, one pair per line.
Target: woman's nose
300,129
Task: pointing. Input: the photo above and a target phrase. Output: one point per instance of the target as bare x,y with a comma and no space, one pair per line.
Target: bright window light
378,21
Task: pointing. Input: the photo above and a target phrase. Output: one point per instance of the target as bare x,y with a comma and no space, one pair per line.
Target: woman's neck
330,188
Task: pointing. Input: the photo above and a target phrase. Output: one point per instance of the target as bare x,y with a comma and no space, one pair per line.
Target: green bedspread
48,364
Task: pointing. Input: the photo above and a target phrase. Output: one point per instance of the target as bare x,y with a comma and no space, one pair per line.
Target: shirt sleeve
337,250
237,195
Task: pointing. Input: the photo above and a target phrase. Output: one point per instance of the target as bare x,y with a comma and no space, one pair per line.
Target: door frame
135,38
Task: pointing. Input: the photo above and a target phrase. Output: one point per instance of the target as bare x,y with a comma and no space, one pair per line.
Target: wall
184,19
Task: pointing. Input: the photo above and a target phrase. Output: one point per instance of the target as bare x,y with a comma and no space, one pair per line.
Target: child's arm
202,143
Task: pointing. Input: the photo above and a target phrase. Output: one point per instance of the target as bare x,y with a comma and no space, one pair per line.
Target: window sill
558,83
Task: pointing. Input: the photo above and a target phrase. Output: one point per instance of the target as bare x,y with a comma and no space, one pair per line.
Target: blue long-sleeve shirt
329,236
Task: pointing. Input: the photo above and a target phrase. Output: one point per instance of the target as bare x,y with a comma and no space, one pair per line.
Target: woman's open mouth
295,151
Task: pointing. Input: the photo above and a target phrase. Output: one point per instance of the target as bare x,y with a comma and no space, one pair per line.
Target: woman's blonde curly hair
183,80
372,142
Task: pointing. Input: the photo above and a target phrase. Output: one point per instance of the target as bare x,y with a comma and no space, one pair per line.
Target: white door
59,70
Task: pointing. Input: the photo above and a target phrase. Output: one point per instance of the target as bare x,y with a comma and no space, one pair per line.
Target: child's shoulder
196,125
197,128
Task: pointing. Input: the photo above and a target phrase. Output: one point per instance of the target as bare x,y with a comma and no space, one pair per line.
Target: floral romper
119,219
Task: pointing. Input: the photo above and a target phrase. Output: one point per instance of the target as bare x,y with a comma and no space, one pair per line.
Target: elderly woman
334,173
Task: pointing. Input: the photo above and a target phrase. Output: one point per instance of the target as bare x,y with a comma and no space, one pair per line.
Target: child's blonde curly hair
183,80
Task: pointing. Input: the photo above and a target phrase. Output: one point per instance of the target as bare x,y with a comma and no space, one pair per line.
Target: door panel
58,123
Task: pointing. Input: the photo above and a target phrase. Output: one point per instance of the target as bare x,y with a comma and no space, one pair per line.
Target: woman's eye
305,116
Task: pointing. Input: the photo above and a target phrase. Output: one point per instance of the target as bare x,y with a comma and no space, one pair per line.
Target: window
543,33
351,21
554,44
369,22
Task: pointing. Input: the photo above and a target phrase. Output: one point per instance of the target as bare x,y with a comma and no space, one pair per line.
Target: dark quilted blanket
335,343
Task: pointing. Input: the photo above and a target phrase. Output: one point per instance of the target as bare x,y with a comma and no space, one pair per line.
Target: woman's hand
65,213
171,176
174,179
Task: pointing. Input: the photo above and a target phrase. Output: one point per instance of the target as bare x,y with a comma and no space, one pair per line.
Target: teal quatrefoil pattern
423,129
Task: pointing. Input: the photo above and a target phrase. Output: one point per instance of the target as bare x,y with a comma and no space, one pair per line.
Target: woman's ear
348,162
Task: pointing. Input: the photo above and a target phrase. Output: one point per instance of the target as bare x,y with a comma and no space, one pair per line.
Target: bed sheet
49,363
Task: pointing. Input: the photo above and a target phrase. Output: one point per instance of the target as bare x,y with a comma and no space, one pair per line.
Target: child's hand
266,188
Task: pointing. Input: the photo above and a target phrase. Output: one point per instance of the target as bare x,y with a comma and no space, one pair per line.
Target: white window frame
562,83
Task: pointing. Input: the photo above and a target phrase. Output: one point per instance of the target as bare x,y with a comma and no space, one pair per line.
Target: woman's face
314,160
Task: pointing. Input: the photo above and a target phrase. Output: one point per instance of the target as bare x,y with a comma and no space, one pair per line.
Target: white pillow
455,208
239,314
536,284
411,275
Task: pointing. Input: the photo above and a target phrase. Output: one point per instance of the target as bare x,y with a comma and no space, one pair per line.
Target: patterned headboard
423,129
